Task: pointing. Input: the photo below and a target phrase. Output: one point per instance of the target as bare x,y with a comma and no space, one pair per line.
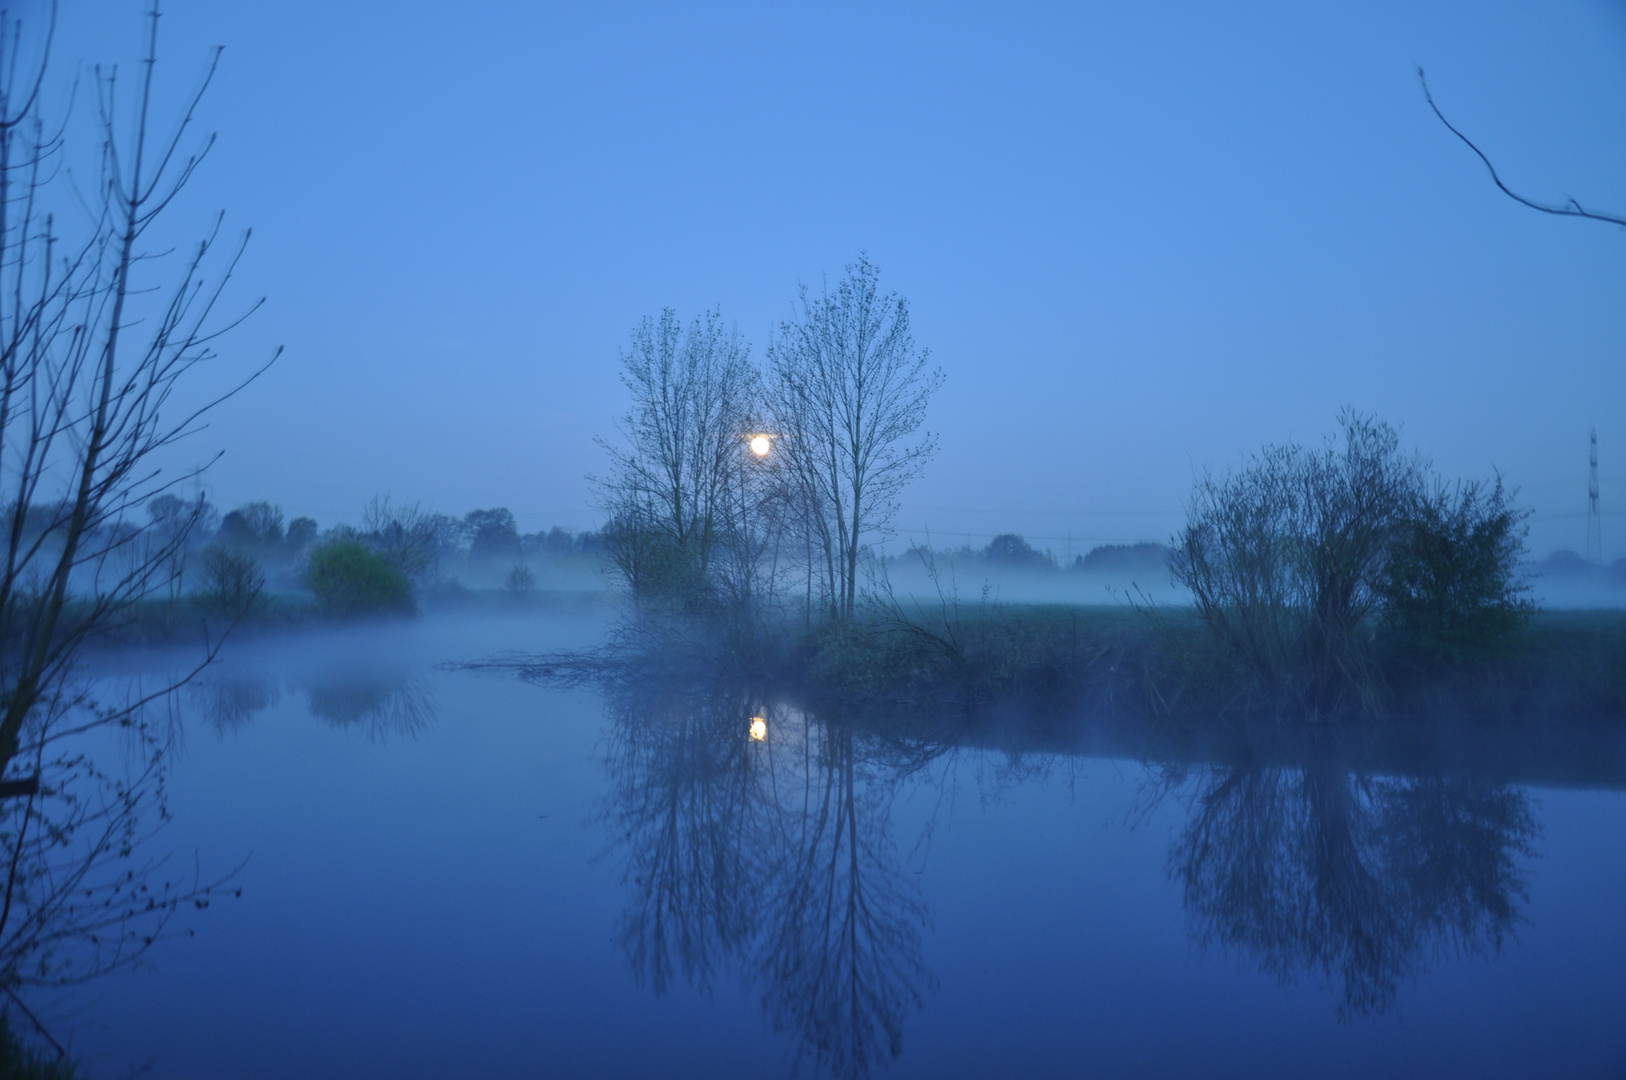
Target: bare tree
693,394
1568,208
92,350
848,391
410,536
84,377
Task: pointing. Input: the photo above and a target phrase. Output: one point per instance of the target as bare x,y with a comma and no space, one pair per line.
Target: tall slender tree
93,348
848,388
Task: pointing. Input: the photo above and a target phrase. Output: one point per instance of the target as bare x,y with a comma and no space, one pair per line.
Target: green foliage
1449,587
233,583
350,580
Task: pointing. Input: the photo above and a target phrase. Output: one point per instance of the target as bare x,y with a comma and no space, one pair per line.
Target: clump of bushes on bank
233,584
1309,567
348,579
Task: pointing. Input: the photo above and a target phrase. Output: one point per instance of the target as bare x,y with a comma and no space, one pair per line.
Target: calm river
452,873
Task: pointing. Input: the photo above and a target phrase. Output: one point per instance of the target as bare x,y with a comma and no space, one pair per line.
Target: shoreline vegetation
1149,681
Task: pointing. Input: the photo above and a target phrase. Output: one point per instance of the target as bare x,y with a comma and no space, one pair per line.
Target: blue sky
1140,240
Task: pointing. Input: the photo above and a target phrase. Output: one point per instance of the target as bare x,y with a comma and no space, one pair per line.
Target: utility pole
1594,524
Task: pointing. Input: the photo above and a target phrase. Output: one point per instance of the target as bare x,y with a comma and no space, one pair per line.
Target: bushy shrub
233,583
1297,559
520,581
1150,560
1283,558
348,579
661,573
1450,585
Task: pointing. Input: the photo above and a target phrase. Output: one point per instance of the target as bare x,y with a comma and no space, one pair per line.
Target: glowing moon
760,445
759,728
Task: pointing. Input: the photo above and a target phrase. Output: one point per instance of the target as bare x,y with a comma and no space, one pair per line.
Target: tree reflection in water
775,856
1311,868
379,706
228,704
378,703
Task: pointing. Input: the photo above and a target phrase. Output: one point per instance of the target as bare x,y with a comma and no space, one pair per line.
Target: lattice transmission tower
1594,524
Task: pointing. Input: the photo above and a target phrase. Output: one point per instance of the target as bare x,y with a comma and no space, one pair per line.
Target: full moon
760,445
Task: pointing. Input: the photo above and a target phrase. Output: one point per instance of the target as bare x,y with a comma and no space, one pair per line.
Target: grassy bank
1562,667
165,621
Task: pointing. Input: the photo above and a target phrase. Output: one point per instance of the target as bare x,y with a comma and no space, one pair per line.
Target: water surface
457,873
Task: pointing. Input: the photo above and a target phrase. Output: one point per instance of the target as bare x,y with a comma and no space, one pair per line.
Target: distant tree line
1012,552
224,562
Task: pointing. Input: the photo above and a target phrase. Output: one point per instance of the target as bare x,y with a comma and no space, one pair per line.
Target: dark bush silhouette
350,580
1449,588
301,534
1293,559
233,583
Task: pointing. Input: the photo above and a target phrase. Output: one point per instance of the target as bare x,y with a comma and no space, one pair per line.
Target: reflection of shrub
233,583
231,703
380,707
350,580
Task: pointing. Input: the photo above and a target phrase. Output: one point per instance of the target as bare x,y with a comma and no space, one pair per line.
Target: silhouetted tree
493,534
413,539
1011,551
848,390
302,532
694,396
92,353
